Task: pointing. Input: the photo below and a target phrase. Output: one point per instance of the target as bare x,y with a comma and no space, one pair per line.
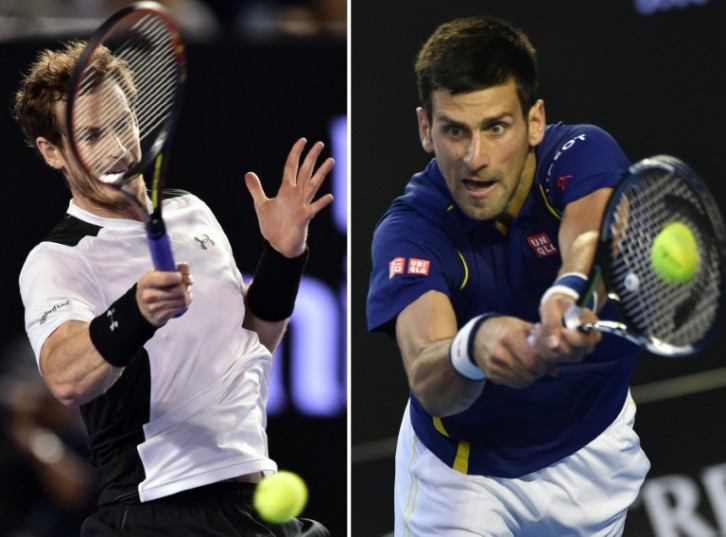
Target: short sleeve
590,159
409,258
56,286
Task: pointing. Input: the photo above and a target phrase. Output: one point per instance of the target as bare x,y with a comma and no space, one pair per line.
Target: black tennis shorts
219,510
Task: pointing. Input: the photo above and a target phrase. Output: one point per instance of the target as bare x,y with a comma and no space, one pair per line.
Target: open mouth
477,185
114,175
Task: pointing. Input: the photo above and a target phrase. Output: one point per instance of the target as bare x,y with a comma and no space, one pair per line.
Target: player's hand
556,343
503,354
284,219
161,295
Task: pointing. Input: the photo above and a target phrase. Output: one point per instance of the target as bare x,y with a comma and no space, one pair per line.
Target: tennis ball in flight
674,255
280,497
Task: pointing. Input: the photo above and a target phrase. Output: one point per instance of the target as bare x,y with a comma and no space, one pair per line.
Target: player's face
108,146
484,148
106,132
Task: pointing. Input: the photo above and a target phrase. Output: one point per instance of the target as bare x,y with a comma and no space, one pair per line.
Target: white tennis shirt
190,409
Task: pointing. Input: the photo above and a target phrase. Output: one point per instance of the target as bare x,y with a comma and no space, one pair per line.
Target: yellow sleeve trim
548,204
439,426
466,270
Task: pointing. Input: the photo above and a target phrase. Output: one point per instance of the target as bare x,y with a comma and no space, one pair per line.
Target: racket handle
160,248
159,245
572,318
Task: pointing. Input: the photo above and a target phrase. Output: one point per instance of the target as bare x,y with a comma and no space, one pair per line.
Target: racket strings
151,56
150,51
155,80
677,314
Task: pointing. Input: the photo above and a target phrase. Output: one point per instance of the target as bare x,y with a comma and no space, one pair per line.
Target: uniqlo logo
395,267
418,266
542,245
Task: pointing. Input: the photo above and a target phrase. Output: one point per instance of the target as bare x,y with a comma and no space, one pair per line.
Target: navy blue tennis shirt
424,242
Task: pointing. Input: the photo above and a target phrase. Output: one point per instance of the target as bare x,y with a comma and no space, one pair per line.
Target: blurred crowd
48,486
200,19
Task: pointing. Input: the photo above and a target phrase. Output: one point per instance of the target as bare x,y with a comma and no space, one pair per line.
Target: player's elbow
67,394
442,409
442,401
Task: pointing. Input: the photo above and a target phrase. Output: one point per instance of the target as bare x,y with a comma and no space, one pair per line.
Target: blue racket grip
161,253
160,248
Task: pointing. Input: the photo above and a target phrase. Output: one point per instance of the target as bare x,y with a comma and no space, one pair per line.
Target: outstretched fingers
290,171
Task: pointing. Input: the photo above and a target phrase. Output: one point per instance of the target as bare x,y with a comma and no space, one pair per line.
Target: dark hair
45,84
476,53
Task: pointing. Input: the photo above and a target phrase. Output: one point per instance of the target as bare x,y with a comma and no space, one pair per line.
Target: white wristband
462,347
571,284
559,290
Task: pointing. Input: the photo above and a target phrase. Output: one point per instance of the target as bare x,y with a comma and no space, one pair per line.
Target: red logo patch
562,181
541,245
395,267
418,266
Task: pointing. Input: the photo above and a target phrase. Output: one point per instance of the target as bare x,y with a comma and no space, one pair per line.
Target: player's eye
454,131
497,128
91,137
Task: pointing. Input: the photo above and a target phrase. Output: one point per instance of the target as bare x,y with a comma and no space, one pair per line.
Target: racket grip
160,248
572,318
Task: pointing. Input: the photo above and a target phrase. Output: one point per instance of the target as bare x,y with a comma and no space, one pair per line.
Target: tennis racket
123,100
668,319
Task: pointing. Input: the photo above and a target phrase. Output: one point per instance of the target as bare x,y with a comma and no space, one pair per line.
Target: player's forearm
73,369
435,384
270,298
579,232
424,330
578,254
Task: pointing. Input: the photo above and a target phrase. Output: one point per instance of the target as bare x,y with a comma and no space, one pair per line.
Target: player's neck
520,196
122,209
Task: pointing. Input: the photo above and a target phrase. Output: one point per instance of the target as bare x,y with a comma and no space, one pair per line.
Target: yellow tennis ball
280,497
674,255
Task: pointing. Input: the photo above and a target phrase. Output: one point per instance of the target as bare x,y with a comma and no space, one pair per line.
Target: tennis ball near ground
280,497
674,255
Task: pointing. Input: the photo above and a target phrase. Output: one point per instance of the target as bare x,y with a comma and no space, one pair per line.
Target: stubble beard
110,199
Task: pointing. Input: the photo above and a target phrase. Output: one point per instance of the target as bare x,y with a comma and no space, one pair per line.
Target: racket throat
155,227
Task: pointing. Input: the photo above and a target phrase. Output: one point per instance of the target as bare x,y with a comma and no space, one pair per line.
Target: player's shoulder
579,152
182,199
582,138
575,160
60,249
70,230
56,254
423,206
405,222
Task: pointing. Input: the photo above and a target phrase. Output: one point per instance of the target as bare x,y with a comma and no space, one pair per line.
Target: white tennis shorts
586,494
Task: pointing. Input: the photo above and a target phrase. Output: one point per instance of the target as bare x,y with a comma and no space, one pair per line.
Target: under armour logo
204,240
113,325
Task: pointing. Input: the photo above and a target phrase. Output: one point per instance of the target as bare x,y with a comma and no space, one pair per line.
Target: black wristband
119,333
272,293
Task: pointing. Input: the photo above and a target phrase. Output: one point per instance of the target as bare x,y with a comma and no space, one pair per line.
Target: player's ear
51,153
424,130
537,122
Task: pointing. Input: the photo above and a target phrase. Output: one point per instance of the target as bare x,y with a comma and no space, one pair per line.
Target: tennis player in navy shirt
516,425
